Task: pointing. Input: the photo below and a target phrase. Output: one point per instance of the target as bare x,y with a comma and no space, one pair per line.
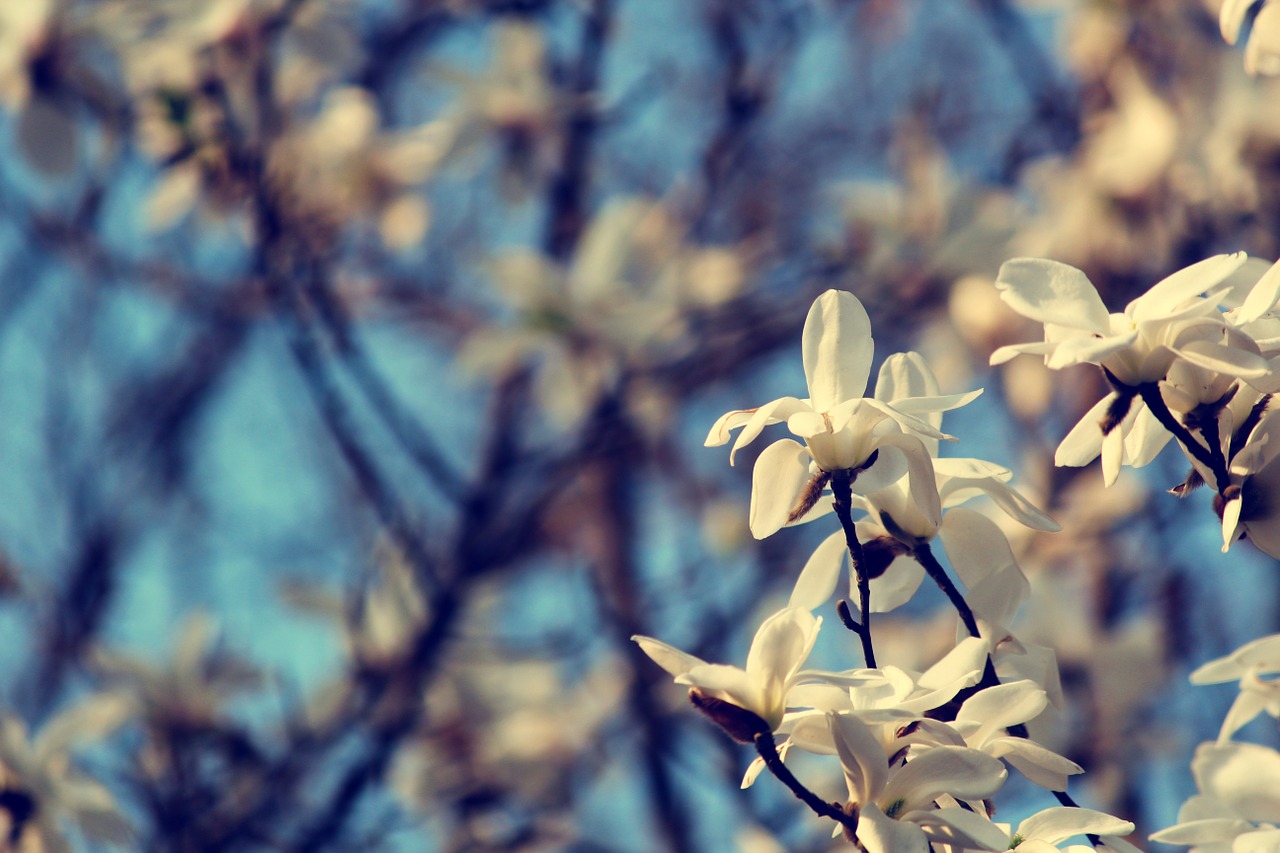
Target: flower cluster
1238,804
921,752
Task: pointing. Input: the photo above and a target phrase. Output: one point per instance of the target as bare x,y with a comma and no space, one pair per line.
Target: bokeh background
356,358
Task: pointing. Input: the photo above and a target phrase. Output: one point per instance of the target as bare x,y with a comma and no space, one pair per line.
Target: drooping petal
837,349
1247,705
1264,651
865,765
1050,292
1011,351
780,474
772,412
922,483
820,574
1084,442
1042,766
1017,507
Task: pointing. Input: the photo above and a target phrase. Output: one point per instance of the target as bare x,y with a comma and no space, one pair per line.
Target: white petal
880,834
1112,456
1168,295
960,828
865,766
820,574
1051,292
781,644
1042,766
1008,352
1206,831
1247,706
1262,298
964,773
1057,824
1012,502
1244,774
1004,705
770,413
837,349
905,374
1083,444
975,545
1230,523
1262,53
942,403
668,657
780,475
923,484
1231,17
1226,360
1263,652
1086,349
895,587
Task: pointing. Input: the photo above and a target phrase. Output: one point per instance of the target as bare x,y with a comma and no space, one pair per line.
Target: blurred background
356,358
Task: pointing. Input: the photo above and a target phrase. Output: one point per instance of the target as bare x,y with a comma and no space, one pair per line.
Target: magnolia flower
779,649
982,723
1246,664
1167,324
1262,53
842,430
896,806
38,773
1238,806
1137,346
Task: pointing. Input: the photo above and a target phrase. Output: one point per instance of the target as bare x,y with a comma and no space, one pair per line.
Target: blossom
1045,830
1262,53
842,430
897,806
779,649
1238,804
1247,664
38,772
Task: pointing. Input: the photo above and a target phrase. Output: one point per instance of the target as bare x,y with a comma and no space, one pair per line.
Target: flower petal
1051,292
865,766
780,474
1167,295
960,828
666,656
966,774
1057,824
837,349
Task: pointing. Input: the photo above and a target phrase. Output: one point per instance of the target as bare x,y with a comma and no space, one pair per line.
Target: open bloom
1247,664
897,807
779,649
842,429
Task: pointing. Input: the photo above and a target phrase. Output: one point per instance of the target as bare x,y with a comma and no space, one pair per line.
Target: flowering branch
768,751
842,490
1150,394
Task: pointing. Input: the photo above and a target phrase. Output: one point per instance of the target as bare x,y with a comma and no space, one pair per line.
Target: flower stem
769,752
1205,455
924,554
842,491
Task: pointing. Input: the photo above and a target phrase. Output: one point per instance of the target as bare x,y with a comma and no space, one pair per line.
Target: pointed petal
1223,359
905,374
666,656
1057,824
1004,705
1050,292
1083,444
1010,351
1086,349
960,828
1011,501
780,474
837,349
770,413
1042,766
1167,295
880,834
1264,295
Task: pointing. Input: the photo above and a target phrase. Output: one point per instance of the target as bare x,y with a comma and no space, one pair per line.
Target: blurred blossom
45,794
1262,52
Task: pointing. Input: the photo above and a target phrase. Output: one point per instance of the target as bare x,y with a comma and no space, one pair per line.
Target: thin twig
842,490
924,555
768,750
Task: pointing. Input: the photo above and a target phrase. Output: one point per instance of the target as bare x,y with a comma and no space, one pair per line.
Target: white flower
1247,664
1262,53
897,806
1137,346
841,428
1239,801
780,647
